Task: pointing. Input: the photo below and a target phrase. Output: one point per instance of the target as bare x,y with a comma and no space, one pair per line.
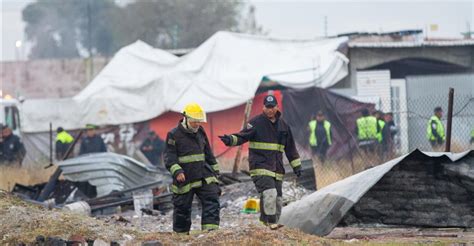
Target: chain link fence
410,117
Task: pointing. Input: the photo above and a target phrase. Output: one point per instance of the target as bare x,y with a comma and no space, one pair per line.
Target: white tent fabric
141,82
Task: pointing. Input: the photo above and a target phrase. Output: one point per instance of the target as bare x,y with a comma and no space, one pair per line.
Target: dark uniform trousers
208,194
271,200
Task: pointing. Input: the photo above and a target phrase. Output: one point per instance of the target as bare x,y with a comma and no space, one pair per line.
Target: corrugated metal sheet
426,92
111,172
404,44
321,211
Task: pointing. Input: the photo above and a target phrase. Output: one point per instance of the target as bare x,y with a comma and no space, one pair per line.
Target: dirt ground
23,222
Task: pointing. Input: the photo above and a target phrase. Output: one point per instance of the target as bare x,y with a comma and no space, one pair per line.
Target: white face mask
193,129
189,127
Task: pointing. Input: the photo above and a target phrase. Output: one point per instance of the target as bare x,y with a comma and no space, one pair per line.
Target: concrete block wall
48,78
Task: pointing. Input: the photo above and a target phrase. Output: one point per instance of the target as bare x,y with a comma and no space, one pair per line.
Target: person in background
366,131
63,142
92,143
472,137
391,131
152,148
435,130
320,136
388,118
12,150
383,135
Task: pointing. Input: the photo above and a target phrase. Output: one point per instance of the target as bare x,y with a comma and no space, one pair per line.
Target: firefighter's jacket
189,153
267,143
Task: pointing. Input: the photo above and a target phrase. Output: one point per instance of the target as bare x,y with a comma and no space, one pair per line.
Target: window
12,117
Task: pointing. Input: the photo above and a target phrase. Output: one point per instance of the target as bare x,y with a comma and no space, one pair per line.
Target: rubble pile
232,201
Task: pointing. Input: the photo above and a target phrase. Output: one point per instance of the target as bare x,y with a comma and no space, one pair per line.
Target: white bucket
142,199
79,208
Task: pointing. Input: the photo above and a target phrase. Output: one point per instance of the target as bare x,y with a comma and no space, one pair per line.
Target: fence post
450,120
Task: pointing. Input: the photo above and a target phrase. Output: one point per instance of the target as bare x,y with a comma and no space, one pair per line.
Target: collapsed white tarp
141,82
321,211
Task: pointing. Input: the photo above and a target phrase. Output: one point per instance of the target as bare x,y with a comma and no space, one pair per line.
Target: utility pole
175,36
450,120
326,26
89,39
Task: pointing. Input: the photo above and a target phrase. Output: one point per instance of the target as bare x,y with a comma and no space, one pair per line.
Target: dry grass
23,222
10,175
332,171
246,235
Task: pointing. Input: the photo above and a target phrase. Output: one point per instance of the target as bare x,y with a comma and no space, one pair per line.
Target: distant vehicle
10,114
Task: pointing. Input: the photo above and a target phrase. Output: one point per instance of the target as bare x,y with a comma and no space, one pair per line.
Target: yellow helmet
195,112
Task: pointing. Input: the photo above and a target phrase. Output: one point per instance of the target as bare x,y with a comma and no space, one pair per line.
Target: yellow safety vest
367,128
313,141
64,137
439,129
379,133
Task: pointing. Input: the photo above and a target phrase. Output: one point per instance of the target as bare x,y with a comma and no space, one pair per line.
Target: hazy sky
305,19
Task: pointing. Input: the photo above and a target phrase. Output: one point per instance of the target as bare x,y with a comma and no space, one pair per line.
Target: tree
71,28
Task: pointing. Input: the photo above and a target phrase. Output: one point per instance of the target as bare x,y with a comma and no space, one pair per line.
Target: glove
297,171
226,139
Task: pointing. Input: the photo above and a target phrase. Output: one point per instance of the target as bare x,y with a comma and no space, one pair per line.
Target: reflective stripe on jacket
267,143
189,153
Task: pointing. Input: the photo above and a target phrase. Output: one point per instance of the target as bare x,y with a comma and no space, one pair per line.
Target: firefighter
320,136
435,130
92,143
63,141
268,136
366,131
194,168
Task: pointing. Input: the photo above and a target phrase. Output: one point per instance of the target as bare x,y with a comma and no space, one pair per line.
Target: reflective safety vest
381,125
64,137
313,140
367,128
439,129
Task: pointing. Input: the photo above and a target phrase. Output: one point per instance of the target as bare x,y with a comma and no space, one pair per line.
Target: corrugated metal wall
424,93
376,84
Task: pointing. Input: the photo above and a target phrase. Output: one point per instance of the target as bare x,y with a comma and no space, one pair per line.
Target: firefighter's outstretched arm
209,155
239,138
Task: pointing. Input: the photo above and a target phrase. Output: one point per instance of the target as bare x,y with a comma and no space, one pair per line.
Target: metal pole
248,108
89,39
49,187
450,120
50,143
